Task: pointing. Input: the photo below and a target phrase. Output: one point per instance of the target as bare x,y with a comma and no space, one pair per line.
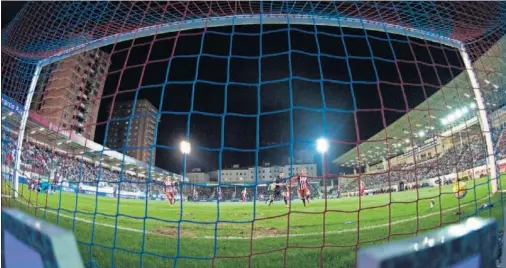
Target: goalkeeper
270,192
460,191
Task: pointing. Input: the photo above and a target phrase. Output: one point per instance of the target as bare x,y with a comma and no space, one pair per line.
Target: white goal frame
344,22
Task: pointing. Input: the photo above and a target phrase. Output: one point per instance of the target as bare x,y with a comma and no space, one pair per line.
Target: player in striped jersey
361,189
170,190
244,194
303,189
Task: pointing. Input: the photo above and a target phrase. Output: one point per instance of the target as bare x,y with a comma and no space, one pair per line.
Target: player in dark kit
286,194
277,188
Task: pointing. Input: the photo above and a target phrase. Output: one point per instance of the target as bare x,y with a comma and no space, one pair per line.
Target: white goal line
258,237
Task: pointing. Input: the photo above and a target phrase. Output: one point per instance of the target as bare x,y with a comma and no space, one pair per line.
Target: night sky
9,11
274,127
352,80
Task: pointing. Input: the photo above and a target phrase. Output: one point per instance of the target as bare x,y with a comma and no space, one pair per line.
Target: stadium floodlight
451,118
322,145
185,147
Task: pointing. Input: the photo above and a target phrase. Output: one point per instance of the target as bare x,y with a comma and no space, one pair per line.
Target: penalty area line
259,237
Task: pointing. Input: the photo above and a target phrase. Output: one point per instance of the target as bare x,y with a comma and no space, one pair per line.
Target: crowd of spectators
457,159
499,139
59,167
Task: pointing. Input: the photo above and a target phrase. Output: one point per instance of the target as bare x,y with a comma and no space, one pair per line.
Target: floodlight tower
185,148
322,145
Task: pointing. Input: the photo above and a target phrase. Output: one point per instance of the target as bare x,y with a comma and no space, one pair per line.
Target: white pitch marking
260,237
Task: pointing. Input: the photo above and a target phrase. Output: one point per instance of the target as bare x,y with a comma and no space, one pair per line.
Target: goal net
250,134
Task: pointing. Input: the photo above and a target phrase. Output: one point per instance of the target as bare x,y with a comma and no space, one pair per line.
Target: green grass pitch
114,234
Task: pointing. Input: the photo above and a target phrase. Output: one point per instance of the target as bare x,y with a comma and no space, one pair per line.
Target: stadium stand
41,161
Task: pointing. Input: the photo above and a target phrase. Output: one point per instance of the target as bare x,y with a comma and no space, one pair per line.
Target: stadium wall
109,192
475,172
98,191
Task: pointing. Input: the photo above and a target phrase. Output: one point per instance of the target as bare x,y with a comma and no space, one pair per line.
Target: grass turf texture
250,234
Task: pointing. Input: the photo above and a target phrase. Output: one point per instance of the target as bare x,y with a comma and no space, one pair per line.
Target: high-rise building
142,129
68,92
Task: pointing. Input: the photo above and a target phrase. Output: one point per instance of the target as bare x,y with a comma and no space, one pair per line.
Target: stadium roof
458,93
44,131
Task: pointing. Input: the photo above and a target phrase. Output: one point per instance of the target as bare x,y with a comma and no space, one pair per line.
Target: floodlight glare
322,145
450,118
185,147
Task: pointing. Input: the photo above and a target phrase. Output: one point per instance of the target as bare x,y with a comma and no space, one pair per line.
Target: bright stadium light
185,147
451,118
322,145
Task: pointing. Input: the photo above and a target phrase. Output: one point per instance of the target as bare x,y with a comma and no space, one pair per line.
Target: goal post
275,19
485,128
377,118
22,127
